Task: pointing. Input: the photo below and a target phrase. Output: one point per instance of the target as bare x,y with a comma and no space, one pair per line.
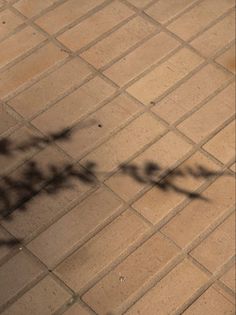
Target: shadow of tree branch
16,193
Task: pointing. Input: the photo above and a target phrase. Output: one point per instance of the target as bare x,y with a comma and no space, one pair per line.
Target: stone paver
117,157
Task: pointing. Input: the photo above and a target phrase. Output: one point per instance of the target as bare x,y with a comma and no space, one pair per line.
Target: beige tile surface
166,296
227,59
9,22
117,157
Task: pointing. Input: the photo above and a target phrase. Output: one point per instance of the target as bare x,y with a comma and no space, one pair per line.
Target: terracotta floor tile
5,240
10,156
54,243
30,67
116,121
44,207
191,93
233,167
199,215
222,145
18,44
30,7
120,147
225,293
141,58
112,46
98,253
139,3
227,59
7,121
157,203
65,14
74,106
129,276
35,99
163,10
44,298
159,80
77,309
218,247
199,17
9,22
229,278
96,25
210,116
210,302
105,120
165,152
216,37
171,291
16,274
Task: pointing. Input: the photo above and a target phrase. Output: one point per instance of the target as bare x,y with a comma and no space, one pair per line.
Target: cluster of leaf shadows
16,192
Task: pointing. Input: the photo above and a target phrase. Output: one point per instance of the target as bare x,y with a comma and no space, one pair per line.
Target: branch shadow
16,193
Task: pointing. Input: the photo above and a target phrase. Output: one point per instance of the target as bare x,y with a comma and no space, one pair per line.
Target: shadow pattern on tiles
17,192
164,180
9,148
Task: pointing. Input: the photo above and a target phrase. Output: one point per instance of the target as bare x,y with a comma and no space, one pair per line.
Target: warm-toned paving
117,157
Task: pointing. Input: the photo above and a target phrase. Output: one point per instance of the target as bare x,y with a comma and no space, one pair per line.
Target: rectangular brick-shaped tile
11,154
139,3
197,216
233,167
34,172
65,14
30,8
175,289
210,302
74,106
227,59
163,153
103,249
9,22
229,278
38,96
118,42
44,298
7,243
215,38
218,247
222,145
199,17
191,93
7,121
121,146
54,244
163,11
18,44
141,58
44,207
163,77
94,26
77,309
229,296
120,284
156,204
16,274
210,116
107,119
32,66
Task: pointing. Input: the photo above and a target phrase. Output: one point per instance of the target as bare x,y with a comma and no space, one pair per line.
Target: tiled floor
117,157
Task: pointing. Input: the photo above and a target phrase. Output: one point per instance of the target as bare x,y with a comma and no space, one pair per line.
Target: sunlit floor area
117,157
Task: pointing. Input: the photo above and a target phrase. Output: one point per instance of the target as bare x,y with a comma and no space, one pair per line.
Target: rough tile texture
117,157
44,298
